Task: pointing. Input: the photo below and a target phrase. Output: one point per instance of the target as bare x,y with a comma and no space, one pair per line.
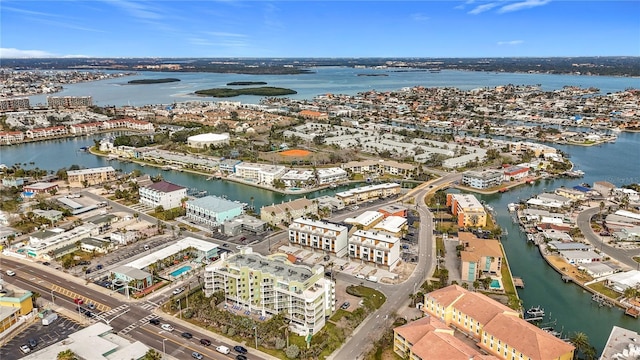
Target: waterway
568,304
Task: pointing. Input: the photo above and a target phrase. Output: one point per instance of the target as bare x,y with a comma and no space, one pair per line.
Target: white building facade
376,248
163,194
319,235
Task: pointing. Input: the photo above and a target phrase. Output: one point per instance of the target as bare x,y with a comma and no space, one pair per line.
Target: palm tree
66,355
152,354
631,293
581,341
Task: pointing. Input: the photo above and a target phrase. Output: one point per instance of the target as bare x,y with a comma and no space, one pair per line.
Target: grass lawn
636,258
600,288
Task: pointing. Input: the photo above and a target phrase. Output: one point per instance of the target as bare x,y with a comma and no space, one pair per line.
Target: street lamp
164,353
255,331
53,299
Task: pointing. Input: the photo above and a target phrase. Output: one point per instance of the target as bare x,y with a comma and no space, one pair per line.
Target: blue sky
229,28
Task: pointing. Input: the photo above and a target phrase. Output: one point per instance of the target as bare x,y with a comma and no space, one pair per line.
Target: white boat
535,311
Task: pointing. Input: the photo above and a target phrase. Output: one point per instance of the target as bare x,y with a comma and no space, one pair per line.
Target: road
128,318
374,326
621,255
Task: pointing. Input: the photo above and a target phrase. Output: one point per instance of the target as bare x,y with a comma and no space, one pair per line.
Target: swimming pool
180,271
495,284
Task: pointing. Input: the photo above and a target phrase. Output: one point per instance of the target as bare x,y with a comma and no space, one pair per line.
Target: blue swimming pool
495,284
180,271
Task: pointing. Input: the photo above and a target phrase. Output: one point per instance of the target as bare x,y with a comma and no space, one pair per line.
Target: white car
359,276
167,327
11,273
223,349
25,349
178,291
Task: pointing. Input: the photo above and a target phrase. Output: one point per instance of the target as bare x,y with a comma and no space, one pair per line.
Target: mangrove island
152,81
260,91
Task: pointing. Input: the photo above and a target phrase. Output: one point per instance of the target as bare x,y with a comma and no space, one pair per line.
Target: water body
335,80
568,304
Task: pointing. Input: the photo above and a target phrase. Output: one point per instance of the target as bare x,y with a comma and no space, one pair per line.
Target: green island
153,81
261,91
244,83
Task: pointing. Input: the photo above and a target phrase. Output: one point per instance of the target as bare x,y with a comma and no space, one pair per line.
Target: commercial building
485,179
479,257
270,285
497,329
205,140
368,192
392,225
393,210
622,344
163,194
242,223
514,172
287,211
375,248
90,177
467,209
212,210
47,244
69,101
319,235
40,188
13,305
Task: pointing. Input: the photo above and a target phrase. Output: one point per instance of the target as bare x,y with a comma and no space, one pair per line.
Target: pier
518,282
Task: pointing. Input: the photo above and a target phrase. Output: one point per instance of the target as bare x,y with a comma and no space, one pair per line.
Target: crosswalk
151,306
115,310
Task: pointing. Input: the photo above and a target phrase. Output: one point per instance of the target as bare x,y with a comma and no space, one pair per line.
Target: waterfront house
11,137
621,341
624,280
212,210
605,188
163,194
514,172
261,174
571,193
597,269
575,257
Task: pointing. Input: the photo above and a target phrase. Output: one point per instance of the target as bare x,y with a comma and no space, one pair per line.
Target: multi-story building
212,210
14,305
479,257
69,101
379,167
85,128
11,137
376,248
331,175
365,220
270,285
482,179
90,177
468,209
513,173
46,245
287,211
365,193
14,104
40,188
498,329
261,174
163,194
321,235
51,131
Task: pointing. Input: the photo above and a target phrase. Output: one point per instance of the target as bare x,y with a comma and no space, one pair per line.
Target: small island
245,83
373,75
153,81
260,91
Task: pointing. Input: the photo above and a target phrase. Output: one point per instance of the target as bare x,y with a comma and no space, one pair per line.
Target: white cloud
511,42
482,8
527,4
12,53
224,34
419,17
137,9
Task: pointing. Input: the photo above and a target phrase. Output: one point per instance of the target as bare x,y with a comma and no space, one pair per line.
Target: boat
333,185
535,312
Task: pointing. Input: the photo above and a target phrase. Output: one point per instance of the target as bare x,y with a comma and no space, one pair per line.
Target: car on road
154,321
187,335
99,267
241,357
78,301
46,263
240,349
91,306
223,349
345,305
359,276
196,355
11,273
243,238
225,245
205,342
178,291
25,349
167,327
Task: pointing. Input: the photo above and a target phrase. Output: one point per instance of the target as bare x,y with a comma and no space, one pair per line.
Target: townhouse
319,235
376,248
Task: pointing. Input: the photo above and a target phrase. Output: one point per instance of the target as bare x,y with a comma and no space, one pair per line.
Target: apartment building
498,329
128,123
319,235
14,104
331,175
514,172
85,128
468,210
212,210
90,177
47,244
287,211
51,131
270,285
365,193
11,137
376,248
163,194
261,174
479,257
379,167
69,101
482,179
365,220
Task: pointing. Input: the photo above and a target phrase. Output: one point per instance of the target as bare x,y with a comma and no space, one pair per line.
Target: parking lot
44,335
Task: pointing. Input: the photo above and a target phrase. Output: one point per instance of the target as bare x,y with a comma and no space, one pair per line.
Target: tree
581,341
152,354
66,355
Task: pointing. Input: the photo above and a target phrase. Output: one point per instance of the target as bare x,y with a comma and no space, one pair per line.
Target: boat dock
518,282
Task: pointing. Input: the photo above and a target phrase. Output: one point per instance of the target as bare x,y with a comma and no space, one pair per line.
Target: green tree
152,354
66,355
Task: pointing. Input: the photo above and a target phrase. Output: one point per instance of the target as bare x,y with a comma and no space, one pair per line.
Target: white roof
91,170
366,218
161,254
392,224
626,279
208,137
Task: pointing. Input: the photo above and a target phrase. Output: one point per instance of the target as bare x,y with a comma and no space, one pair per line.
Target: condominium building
365,193
270,285
321,235
90,177
287,211
212,210
331,175
51,131
47,244
69,101
482,179
375,248
479,257
11,137
497,329
163,194
515,172
379,167
262,174
468,209
14,104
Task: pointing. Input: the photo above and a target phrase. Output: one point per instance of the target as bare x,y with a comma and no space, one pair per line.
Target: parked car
99,267
196,355
25,349
345,305
167,327
240,349
11,273
187,335
205,342
223,349
154,321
